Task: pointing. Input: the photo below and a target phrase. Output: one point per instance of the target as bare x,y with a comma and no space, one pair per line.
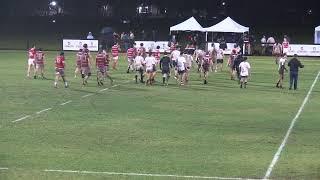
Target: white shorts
130,60
116,58
285,50
31,62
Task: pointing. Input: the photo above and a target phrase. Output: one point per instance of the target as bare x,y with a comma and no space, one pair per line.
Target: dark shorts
174,63
205,68
220,61
101,69
165,71
181,72
60,71
85,71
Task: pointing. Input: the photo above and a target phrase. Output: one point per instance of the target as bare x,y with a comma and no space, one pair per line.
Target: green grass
214,130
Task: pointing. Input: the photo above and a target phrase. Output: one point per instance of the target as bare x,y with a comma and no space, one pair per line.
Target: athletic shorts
174,63
139,68
181,72
165,71
85,71
220,61
31,61
150,70
205,68
38,66
101,69
60,71
115,58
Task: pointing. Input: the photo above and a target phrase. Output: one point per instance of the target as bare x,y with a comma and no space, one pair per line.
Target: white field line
104,89
44,110
87,95
4,168
146,174
62,104
20,119
284,141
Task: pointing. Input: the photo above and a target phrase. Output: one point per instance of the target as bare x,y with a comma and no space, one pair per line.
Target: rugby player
85,65
157,54
142,50
60,67
285,46
213,55
281,69
276,51
231,59
165,65
115,55
31,61
131,53
244,72
101,67
78,63
175,54
181,69
220,56
150,62
205,65
138,65
39,61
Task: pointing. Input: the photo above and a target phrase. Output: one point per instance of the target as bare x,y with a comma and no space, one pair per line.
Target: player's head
40,49
85,46
61,53
150,53
158,47
100,51
134,44
141,44
295,55
165,53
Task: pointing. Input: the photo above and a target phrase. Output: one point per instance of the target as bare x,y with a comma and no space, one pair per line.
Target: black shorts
205,68
165,71
181,72
220,61
174,63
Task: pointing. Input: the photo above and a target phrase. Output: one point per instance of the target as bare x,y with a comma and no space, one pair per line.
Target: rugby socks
136,78
163,80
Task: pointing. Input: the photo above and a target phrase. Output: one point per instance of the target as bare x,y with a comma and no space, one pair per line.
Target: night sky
250,11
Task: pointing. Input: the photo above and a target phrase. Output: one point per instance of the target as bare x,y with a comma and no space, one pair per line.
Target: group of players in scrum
176,61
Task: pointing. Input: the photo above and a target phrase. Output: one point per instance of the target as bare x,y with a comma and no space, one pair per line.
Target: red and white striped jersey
131,53
39,57
115,50
100,60
156,54
32,53
59,62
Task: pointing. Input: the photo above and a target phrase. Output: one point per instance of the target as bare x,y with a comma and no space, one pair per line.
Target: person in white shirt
138,65
244,72
220,56
174,57
150,68
281,69
263,44
181,68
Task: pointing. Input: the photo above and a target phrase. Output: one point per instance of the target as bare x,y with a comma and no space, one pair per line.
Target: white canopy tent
317,35
190,24
227,25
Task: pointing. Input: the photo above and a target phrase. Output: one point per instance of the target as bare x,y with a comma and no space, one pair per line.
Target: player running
220,56
244,72
276,51
31,61
78,63
138,66
115,55
39,61
165,65
85,65
156,54
205,65
150,62
60,67
181,69
281,69
175,54
131,54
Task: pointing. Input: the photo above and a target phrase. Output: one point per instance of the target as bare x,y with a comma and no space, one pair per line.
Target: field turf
214,130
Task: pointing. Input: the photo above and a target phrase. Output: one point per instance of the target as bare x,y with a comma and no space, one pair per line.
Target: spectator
294,65
263,44
90,36
270,42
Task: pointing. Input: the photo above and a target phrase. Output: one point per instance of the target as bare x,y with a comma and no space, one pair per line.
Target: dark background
23,21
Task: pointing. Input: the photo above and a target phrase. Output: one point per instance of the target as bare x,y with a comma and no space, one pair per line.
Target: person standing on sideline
281,69
263,45
294,65
244,72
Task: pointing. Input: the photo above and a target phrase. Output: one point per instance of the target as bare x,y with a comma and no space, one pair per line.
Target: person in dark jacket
294,65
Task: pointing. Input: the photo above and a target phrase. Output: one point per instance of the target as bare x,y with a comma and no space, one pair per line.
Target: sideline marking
44,110
294,120
62,104
3,168
23,118
145,174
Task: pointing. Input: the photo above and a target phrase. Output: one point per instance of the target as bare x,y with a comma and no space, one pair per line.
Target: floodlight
53,3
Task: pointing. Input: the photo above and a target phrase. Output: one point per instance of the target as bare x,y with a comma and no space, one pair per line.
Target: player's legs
76,72
115,62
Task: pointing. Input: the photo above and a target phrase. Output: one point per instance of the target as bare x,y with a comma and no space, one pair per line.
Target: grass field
217,130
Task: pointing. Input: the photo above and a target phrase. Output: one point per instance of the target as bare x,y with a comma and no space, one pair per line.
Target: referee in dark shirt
294,65
165,65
